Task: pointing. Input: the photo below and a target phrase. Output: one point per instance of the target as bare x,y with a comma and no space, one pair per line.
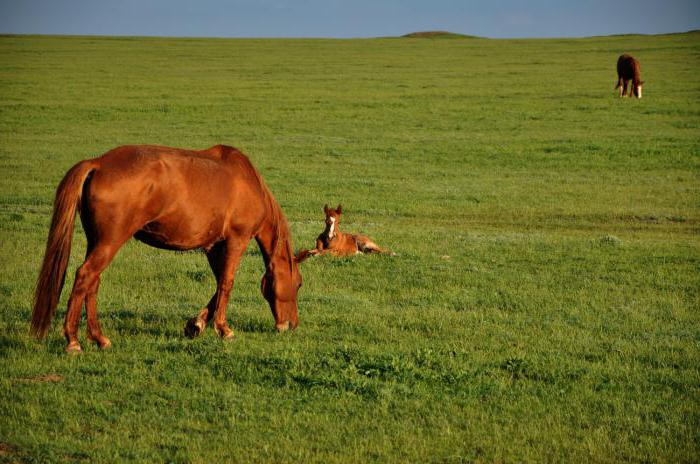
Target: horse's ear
325,208
339,209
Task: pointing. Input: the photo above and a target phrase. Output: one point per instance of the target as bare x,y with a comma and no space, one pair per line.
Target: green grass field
544,305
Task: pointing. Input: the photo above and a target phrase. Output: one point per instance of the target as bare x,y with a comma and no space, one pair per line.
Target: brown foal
174,199
337,243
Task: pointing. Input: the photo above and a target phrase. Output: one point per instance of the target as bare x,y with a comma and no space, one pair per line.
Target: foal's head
637,88
332,220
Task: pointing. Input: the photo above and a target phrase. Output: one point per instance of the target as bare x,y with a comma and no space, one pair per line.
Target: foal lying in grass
337,243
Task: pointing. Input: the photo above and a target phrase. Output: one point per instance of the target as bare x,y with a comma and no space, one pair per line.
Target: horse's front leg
235,247
195,326
223,259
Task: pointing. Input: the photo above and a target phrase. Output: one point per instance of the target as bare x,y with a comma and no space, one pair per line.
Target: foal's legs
87,280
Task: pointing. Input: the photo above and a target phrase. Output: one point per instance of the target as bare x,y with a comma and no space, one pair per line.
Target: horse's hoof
74,348
225,333
228,338
283,327
194,327
102,342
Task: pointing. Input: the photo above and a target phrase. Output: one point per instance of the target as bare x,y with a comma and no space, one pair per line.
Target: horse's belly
178,235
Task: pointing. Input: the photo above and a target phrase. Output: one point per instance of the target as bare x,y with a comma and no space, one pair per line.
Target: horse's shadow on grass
253,325
127,323
8,343
12,345
134,323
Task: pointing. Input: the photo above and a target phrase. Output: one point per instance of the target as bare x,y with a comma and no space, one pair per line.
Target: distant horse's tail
53,269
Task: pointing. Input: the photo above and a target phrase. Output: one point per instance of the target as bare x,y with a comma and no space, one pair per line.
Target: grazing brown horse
628,70
174,199
335,242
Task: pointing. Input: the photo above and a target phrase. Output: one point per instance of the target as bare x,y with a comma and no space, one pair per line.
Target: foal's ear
325,208
339,209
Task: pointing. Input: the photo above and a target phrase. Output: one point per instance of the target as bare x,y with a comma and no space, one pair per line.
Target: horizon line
404,36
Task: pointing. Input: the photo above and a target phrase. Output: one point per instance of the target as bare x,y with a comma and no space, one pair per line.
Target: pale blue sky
340,18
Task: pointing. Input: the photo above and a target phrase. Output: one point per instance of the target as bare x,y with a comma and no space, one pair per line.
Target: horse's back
626,65
139,174
174,198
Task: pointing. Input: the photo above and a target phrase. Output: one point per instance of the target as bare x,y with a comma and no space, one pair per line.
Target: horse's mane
279,222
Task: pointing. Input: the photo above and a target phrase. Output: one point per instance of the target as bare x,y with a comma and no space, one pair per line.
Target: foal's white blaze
639,91
331,231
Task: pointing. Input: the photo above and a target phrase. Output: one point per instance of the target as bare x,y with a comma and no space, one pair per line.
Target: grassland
544,305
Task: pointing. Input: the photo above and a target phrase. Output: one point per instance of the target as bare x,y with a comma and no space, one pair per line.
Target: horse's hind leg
93,324
85,287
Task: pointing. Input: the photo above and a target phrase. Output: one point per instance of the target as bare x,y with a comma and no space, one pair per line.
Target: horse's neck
273,242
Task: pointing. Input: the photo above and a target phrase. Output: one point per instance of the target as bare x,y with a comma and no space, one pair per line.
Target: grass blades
543,306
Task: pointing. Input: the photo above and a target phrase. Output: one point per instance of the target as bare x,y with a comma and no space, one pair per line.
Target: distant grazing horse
628,70
174,199
335,242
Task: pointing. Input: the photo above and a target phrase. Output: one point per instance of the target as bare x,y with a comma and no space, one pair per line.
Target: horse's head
332,220
637,89
280,286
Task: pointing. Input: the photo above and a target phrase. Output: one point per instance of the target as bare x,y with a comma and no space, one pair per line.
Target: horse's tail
53,269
